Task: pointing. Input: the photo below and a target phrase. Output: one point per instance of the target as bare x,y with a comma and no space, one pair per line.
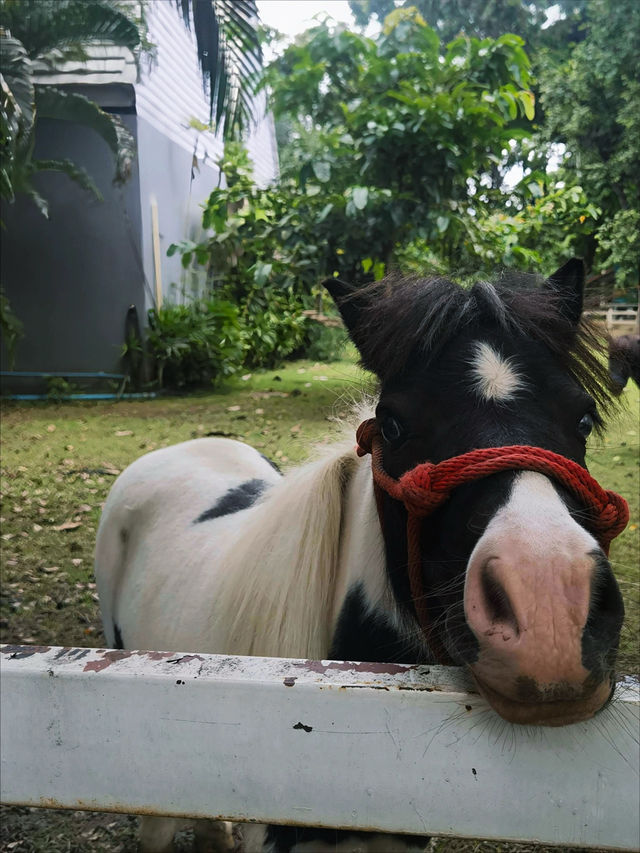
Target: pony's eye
586,425
390,429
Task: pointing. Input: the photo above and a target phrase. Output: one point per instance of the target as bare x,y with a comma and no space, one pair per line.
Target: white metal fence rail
615,317
369,746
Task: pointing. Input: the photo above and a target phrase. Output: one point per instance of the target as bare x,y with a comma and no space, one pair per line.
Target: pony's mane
288,562
403,316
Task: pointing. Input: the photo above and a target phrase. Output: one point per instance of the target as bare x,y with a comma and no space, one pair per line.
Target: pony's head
516,584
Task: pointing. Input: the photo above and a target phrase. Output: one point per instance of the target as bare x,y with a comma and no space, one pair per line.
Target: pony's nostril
496,600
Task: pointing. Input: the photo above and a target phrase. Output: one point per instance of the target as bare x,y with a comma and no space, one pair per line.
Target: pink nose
529,618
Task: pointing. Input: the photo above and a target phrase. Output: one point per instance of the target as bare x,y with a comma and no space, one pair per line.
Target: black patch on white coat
285,838
240,497
364,635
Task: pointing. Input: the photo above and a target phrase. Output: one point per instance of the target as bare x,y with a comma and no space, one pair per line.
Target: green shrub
195,344
274,327
325,343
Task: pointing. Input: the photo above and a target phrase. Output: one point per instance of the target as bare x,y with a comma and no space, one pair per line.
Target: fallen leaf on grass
68,525
233,408
51,428
122,432
50,569
84,508
107,468
295,429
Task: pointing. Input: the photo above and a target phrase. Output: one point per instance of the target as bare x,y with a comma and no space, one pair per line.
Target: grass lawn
59,461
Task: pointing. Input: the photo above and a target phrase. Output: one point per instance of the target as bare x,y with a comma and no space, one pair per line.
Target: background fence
618,319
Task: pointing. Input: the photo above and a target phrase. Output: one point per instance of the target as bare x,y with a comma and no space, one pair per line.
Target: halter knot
427,486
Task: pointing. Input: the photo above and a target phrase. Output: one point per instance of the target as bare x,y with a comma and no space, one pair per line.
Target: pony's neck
277,596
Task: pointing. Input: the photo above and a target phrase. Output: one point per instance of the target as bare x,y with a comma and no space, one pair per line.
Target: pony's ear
347,302
568,283
351,304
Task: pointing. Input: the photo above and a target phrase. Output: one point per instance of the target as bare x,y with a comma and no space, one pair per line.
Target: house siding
170,94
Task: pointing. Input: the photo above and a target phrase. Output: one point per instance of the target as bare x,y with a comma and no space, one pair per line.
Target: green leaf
360,197
528,101
322,170
261,273
379,270
326,210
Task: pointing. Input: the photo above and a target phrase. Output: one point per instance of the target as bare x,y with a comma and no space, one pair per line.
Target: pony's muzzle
547,626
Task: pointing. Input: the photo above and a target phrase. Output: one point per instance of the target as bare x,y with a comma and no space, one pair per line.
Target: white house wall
177,162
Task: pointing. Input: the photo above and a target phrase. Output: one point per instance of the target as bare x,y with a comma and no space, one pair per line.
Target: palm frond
57,25
52,102
230,58
17,86
17,111
69,168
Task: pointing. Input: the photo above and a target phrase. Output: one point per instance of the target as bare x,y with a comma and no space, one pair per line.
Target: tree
389,132
591,103
484,18
230,58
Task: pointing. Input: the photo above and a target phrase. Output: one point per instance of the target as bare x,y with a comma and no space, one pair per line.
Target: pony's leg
156,834
253,837
213,836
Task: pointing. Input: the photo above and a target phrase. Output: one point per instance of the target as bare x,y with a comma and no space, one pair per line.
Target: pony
205,547
624,361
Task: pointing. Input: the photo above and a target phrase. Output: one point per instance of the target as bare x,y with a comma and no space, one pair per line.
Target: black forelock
408,320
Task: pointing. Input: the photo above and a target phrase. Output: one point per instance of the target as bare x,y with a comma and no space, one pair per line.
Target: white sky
294,16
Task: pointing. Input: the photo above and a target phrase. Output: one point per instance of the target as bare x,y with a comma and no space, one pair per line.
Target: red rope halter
424,488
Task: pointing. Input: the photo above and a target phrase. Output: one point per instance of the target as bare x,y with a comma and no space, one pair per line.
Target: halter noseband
427,486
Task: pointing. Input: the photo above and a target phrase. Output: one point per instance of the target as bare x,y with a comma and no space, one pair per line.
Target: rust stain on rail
112,656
